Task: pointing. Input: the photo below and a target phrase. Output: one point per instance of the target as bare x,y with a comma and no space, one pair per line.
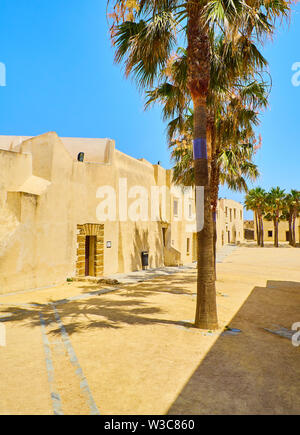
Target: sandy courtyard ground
130,351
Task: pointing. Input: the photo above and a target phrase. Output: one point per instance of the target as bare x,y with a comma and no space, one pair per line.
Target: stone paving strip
74,361
61,362
56,400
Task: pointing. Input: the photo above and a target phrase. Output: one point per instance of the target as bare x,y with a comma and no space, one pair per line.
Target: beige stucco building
283,231
62,217
230,219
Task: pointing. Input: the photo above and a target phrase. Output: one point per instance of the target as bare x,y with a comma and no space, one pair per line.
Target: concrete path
144,275
82,349
223,252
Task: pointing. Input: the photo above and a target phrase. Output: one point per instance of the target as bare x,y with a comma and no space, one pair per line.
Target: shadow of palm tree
93,313
179,285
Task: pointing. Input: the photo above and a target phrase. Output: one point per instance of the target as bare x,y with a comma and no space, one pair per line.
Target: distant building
249,231
230,219
79,207
283,231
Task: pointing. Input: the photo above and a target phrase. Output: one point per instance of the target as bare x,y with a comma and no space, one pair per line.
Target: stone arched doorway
90,250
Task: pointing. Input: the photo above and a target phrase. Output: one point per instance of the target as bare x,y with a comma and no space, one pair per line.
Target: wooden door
87,255
90,255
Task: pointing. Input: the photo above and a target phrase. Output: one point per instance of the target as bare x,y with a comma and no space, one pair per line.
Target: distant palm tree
256,201
295,212
291,212
275,203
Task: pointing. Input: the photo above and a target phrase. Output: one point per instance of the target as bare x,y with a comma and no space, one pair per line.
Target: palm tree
255,200
292,208
232,137
295,212
145,43
275,203
233,108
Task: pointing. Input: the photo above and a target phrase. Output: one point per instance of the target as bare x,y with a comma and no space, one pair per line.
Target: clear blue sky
61,77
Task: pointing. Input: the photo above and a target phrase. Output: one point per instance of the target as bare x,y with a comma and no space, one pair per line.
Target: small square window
270,233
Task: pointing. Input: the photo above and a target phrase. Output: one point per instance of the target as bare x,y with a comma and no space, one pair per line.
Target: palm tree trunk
214,217
257,229
290,229
277,228
294,229
275,232
262,244
198,82
206,310
214,186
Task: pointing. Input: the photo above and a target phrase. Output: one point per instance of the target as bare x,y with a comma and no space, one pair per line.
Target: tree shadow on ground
254,372
131,306
179,285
